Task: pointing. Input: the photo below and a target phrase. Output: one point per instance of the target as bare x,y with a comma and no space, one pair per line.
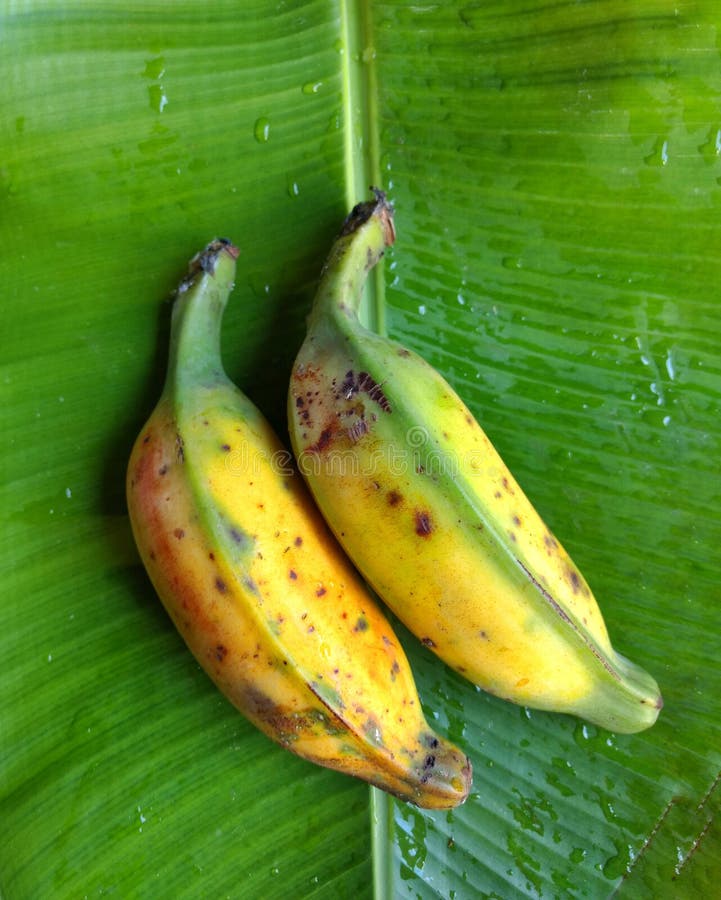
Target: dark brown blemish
299,401
292,575
179,448
221,586
320,592
221,652
516,520
361,624
393,498
211,556
251,585
298,541
575,580
424,525
428,642
366,384
237,536
225,448
349,386
324,441
179,533
305,372
288,725
374,391
507,486
403,352
163,470
356,432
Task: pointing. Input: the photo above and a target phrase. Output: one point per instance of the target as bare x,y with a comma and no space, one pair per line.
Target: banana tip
207,260
362,212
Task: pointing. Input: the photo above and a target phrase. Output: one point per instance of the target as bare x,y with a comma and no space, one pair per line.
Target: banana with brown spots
256,584
433,519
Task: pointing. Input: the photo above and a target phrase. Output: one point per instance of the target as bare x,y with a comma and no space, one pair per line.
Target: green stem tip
206,261
366,232
362,212
198,308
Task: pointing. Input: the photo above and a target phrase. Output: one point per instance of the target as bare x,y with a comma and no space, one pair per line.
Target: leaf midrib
362,169
362,139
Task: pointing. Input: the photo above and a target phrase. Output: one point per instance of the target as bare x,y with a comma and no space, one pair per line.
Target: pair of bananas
244,560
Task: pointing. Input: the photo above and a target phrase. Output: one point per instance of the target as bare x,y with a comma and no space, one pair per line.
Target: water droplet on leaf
261,131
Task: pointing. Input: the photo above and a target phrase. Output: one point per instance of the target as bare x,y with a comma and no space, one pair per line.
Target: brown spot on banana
325,439
423,523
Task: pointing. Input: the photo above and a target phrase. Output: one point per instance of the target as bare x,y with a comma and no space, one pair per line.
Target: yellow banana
433,519
256,584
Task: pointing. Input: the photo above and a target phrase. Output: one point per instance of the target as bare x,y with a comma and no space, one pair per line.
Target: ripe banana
433,519
256,584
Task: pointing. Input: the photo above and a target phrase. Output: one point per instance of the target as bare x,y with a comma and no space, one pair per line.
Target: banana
256,584
434,520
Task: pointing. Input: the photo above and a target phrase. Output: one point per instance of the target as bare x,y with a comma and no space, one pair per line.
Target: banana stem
366,233
197,315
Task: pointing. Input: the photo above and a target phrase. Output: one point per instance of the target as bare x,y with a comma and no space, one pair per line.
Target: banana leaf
556,174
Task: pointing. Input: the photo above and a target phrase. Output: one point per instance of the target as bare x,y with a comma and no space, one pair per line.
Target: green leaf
556,172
